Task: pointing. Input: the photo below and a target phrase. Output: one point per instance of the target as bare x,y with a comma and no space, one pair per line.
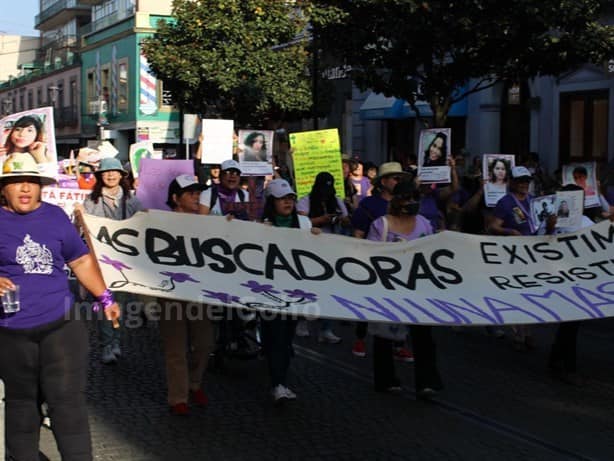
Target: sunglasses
232,173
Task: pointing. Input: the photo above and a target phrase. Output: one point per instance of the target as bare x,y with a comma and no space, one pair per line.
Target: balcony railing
66,117
57,7
40,69
107,21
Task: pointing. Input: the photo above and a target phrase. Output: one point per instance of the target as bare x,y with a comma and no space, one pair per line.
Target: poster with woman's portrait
434,150
496,172
256,152
583,175
31,132
542,208
568,207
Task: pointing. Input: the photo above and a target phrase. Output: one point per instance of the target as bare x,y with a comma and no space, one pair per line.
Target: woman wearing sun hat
43,346
111,198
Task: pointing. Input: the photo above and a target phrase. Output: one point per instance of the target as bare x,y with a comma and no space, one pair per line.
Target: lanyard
526,213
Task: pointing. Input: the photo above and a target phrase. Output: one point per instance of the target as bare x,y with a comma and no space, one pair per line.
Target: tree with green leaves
247,60
429,50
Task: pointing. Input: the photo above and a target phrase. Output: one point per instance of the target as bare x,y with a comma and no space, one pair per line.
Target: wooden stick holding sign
111,314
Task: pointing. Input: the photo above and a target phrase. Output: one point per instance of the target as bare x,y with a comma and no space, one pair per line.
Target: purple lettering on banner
585,293
353,307
456,320
378,308
411,317
510,307
532,299
469,307
601,288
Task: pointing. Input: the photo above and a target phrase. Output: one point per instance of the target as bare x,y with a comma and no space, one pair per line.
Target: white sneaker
117,351
107,356
279,393
289,394
327,336
302,329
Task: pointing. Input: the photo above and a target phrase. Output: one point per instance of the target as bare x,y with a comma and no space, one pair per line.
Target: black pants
384,375
52,359
277,335
425,357
425,360
361,330
563,352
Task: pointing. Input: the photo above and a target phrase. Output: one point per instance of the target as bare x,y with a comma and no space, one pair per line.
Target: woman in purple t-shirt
43,345
403,223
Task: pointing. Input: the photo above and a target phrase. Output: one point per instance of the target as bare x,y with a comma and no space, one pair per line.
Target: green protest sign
313,152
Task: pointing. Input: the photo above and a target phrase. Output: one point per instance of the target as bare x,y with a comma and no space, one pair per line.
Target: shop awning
380,107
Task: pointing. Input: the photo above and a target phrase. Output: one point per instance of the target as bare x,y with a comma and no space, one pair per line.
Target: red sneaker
199,397
180,409
403,354
359,349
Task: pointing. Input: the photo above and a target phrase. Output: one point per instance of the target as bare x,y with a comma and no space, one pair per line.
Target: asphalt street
497,404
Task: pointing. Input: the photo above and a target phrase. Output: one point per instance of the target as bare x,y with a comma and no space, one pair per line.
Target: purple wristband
105,300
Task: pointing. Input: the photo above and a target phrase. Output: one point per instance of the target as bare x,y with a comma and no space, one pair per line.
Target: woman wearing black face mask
403,223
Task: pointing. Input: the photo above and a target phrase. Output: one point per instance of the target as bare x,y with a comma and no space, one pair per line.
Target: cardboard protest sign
583,175
314,152
217,144
141,150
496,173
155,177
568,207
30,131
434,150
207,259
64,198
541,208
256,152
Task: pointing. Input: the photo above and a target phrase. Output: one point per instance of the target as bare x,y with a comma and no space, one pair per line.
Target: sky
19,21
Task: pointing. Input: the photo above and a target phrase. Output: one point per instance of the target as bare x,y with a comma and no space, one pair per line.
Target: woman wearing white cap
185,328
278,331
43,345
111,198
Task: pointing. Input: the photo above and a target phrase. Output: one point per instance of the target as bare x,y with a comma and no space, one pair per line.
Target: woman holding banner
277,329
185,329
111,198
43,344
403,223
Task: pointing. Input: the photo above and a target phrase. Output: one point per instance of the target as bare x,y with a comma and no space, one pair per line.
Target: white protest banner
64,198
217,143
445,279
155,177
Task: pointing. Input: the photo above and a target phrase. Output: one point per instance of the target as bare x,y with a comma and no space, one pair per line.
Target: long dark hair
268,213
23,122
98,185
323,196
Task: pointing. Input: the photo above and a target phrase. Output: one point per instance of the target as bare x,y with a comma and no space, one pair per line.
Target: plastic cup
10,301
